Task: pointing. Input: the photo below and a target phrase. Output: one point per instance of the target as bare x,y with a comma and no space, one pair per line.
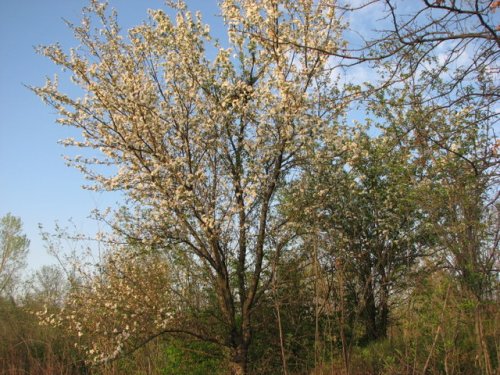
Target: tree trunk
369,312
383,305
239,360
384,317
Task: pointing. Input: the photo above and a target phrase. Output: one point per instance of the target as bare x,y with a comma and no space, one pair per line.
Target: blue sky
35,183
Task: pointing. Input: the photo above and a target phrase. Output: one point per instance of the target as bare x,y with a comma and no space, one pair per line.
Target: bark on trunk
239,360
369,313
383,306
384,319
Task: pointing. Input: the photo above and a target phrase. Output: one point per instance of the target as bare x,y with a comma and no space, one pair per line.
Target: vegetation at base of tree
263,232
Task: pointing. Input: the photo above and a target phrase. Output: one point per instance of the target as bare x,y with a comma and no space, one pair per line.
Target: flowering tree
119,306
358,213
204,146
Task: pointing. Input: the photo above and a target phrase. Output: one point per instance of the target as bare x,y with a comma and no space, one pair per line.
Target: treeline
263,231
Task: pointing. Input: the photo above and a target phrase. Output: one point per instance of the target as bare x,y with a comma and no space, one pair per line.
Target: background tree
47,284
455,150
25,347
361,208
465,212
13,251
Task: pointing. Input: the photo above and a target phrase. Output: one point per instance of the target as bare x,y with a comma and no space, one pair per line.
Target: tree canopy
246,186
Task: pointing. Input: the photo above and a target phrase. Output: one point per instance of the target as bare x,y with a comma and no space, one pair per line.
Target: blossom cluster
116,306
